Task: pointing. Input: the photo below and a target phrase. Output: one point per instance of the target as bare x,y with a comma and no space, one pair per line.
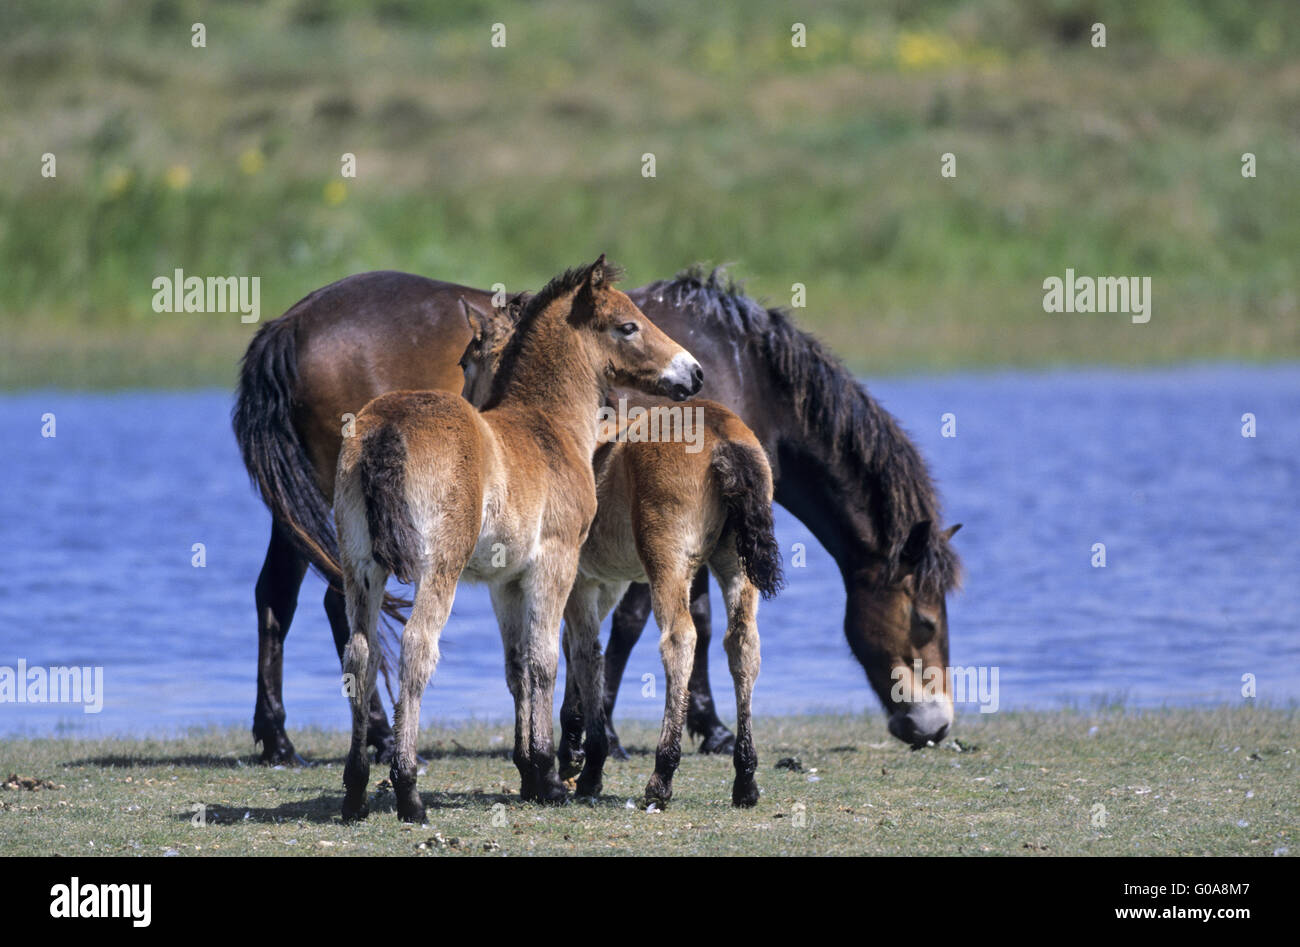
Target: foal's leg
701,715
363,590
378,733
529,613
277,598
537,781
569,754
433,597
584,668
670,590
741,644
629,621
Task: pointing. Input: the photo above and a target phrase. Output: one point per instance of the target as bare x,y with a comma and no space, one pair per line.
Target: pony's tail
275,457
746,484
381,467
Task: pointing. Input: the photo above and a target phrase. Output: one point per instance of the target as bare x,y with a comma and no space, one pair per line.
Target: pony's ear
951,531
596,275
914,548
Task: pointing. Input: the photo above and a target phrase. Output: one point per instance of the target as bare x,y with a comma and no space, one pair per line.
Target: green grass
816,165
1185,782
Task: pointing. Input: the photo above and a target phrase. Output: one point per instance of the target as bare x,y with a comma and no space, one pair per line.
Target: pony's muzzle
683,377
922,722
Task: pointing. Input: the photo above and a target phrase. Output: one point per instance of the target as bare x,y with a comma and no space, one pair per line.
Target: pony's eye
629,329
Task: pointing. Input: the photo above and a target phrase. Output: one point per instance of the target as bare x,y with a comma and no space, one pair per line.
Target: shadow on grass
123,761
325,808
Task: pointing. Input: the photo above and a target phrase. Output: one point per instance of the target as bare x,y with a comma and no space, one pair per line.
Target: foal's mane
533,307
834,408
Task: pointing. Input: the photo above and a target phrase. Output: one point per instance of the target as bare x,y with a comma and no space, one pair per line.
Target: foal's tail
746,482
381,467
274,454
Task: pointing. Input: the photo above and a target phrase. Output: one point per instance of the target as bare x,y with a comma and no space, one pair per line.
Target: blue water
1201,527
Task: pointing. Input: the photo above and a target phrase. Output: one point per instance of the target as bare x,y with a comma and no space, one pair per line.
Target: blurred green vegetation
819,165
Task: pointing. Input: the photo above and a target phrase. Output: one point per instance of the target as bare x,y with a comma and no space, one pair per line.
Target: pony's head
897,626
628,348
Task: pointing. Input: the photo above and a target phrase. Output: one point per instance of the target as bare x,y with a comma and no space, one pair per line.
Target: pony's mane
832,406
532,307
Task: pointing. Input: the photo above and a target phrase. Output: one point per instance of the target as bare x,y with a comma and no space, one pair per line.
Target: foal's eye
628,329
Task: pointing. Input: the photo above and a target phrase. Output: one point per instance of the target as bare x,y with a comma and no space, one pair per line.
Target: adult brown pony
839,460
676,486
431,490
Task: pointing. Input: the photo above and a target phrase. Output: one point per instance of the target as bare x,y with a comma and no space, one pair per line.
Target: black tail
394,542
746,491
275,456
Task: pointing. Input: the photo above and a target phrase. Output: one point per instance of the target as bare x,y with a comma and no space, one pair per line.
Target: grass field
1109,782
817,165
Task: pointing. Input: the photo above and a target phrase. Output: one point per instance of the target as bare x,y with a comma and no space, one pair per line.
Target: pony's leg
670,591
433,597
701,715
569,754
584,666
741,645
629,621
378,733
363,593
277,598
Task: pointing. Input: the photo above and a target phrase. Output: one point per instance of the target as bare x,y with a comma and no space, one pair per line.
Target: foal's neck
550,375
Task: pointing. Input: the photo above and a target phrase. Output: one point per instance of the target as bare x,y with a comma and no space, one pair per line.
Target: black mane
833,407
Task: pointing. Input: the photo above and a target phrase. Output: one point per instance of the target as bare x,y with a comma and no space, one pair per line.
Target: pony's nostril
698,375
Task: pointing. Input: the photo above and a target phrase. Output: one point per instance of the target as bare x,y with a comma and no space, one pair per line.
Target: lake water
1201,585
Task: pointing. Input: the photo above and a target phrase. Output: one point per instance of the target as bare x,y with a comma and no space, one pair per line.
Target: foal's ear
914,548
951,531
596,275
477,318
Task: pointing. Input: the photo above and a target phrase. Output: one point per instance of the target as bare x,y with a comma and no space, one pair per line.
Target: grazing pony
430,489
679,487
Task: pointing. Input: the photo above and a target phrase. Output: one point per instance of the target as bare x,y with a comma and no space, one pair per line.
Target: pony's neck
810,487
550,374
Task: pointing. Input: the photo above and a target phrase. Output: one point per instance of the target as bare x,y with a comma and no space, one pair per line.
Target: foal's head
606,332
626,347
491,330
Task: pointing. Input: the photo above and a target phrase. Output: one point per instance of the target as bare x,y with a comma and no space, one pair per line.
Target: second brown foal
678,487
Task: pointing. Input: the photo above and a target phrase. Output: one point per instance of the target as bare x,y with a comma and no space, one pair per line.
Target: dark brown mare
841,465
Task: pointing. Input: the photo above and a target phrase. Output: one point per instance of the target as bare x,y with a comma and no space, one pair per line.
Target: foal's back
662,501
398,438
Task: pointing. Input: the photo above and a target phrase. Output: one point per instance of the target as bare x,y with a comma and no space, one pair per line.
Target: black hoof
550,791
657,793
719,740
616,751
278,751
355,812
744,795
570,764
414,813
589,787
